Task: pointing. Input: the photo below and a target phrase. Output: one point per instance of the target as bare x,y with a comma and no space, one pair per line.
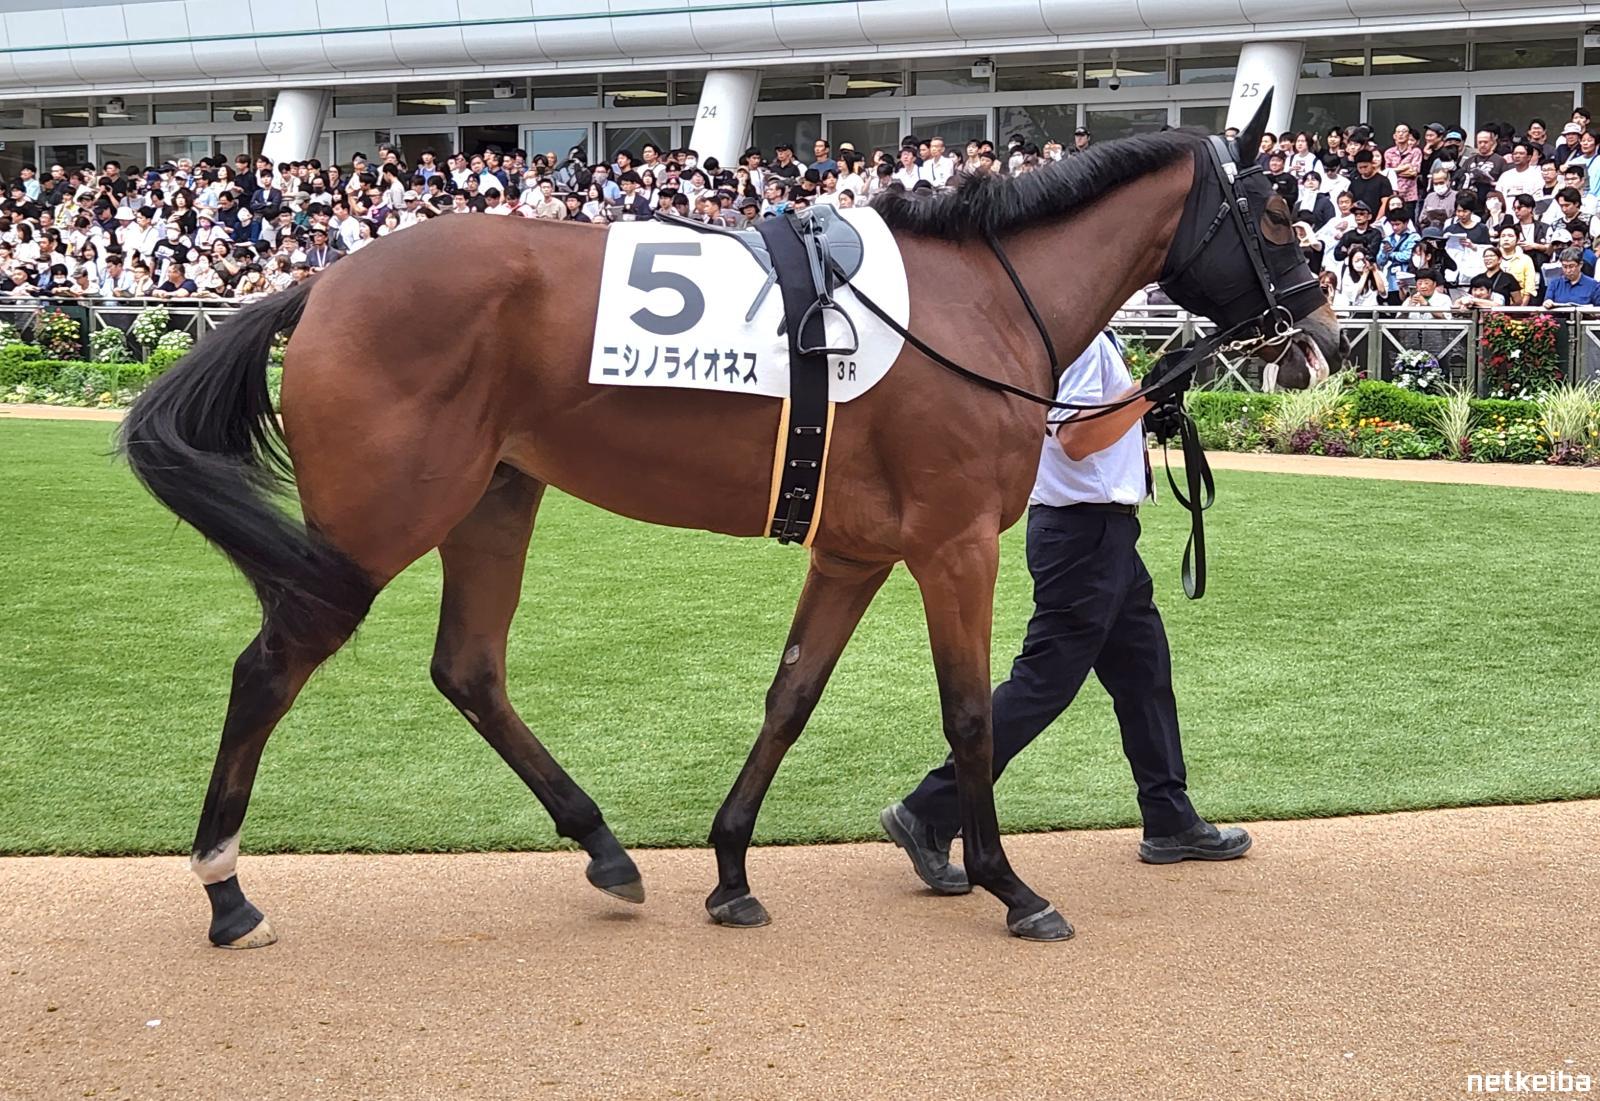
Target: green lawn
1365,646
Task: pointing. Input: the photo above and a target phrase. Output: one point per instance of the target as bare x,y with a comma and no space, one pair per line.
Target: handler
1093,610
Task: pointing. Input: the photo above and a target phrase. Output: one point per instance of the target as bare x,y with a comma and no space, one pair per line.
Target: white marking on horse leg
792,654
472,716
217,865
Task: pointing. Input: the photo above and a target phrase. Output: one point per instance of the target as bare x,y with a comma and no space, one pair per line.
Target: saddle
808,256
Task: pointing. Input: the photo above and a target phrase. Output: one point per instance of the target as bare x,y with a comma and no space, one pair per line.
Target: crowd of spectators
1432,224
1425,222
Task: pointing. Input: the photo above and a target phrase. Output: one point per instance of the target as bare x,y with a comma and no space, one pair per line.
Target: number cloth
674,302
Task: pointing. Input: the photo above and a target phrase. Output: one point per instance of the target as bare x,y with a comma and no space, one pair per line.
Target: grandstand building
144,81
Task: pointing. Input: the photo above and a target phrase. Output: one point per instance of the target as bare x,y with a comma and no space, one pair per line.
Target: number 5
643,275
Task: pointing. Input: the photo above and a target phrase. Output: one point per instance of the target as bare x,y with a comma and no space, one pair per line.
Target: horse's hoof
259,937
618,876
744,912
631,891
1047,924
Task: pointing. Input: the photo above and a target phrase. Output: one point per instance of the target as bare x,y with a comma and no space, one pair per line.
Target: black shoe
1201,841
929,853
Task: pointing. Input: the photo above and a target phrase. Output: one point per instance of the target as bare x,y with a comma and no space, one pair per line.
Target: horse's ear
1249,139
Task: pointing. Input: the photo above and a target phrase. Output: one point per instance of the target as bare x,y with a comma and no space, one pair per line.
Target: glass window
864,134
947,82
1420,57
1415,111
687,90
501,137
428,101
347,143
66,114
231,145
557,141
556,92
1532,54
183,111
1131,71
632,138
777,87
175,149
797,131
1213,120
131,155
117,111
1321,113
1333,59
956,130
239,109
411,146
492,97
1518,108
13,155
1040,123
1106,123
632,91
67,156
359,106
1207,70
872,85
1036,78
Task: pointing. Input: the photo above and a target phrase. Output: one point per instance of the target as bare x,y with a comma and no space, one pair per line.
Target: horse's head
1235,259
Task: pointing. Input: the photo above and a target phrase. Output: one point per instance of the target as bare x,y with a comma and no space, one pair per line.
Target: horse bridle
1277,323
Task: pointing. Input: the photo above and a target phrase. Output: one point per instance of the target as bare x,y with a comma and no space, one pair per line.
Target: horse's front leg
836,593
957,582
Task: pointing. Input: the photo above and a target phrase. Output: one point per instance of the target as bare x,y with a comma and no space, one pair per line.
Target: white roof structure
78,46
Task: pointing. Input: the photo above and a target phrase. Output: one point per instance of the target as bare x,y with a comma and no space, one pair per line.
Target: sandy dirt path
1381,957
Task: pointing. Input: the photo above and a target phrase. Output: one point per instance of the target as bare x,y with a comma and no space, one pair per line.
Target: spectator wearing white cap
1568,144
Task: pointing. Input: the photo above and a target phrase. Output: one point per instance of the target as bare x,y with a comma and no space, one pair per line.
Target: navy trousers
1093,610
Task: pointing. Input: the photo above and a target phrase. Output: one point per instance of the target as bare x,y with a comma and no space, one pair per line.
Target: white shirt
1114,475
937,170
1526,181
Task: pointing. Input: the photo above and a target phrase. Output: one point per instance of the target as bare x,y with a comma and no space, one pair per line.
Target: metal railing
1377,335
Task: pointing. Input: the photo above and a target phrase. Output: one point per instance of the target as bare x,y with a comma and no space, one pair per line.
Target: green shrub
1386,402
1232,404
16,365
274,384
162,359
1512,412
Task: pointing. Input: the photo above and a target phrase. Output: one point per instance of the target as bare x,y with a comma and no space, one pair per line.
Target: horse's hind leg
835,596
957,582
483,562
266,678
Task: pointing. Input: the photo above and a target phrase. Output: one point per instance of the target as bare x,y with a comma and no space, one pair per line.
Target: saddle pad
673,303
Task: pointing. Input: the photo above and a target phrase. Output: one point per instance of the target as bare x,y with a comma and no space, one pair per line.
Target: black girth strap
799,475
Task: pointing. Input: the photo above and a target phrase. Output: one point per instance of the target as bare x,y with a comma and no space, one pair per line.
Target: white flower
1516,353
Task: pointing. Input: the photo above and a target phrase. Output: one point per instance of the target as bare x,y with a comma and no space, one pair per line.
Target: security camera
1115,83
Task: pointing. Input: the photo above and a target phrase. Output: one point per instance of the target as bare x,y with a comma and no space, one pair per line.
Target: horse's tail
205,441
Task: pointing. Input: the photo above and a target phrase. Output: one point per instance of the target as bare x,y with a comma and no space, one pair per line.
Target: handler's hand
1164,420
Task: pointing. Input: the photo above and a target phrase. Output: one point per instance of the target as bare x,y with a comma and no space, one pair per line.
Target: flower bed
1378,420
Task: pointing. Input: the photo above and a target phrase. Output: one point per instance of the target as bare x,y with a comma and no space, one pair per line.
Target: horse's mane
984,204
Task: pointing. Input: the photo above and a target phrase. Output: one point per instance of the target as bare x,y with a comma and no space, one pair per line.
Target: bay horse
427,404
